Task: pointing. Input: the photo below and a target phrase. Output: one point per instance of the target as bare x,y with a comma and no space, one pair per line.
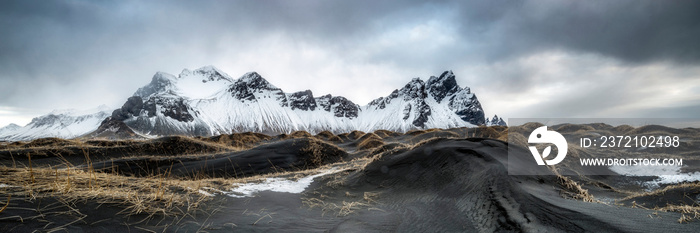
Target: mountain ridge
207,101
58,123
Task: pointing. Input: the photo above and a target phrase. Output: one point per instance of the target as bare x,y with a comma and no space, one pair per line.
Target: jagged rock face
407,111
303,100
413,90
132,107
161,83
381,102
343,107
339,106
468,108
324,102
246,88
174,108
241,92
495,121
111,128
423,112
418,108
442,86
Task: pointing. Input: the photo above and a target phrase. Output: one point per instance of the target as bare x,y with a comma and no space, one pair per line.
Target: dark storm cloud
54,44
634,31
55,53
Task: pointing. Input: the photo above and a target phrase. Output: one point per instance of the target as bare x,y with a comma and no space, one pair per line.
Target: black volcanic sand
292,154
421,181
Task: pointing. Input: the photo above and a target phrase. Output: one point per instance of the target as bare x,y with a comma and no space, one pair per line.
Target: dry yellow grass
239,140
355,134
325,134
328,136
386,133
426,141
688,212
659,192
300,134
370,141
150,195
573,189
9,197
415,132
320,152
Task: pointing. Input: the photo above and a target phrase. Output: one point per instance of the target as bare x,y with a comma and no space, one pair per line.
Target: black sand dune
453,180
288,155
471,191
54,151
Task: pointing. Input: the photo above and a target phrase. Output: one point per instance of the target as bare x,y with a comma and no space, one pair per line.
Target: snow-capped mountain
9,129
437,103
59,123
495,121
207,101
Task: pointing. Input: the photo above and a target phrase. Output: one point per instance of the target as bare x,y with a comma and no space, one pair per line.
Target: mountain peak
416,81
495,121
249,87
9,130
11,126
303,100
209,68
251,76
442,86
161,82
254,81
212,72
413,89
206,73
76,112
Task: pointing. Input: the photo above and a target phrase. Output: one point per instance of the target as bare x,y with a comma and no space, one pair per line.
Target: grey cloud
93,47
633,31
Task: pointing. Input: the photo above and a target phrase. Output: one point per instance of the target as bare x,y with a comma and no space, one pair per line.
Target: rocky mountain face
208,101
437,103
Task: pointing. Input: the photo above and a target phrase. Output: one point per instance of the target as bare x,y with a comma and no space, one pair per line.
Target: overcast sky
521,58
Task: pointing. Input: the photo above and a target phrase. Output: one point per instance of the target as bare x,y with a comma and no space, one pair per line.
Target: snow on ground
679,178
664,174
646,170
276,185
205,193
